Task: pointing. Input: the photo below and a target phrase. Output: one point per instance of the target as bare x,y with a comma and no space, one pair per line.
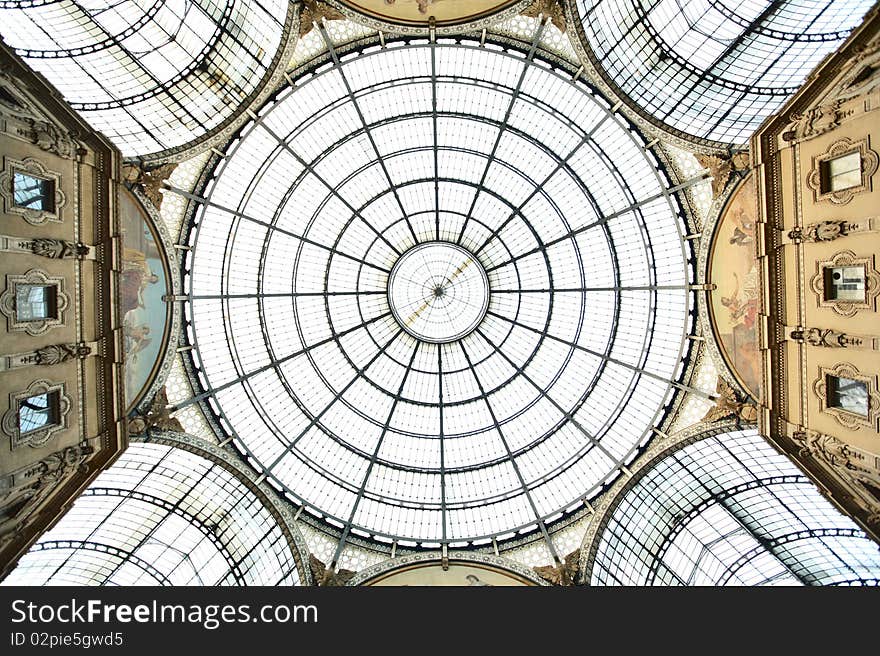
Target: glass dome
536,333
713,69
150,74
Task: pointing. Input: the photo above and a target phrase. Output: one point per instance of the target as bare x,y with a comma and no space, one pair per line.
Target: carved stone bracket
816,121
847,418
48,355
847,308
40,436
56,249
869,160
148,181
32,167
550,8
51,139
722,168
839,455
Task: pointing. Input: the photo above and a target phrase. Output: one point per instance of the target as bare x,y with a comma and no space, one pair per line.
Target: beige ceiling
445,12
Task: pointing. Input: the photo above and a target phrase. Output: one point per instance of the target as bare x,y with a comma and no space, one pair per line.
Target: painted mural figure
735,272
142,285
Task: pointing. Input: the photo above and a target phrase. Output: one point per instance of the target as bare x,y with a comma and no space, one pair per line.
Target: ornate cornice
495,562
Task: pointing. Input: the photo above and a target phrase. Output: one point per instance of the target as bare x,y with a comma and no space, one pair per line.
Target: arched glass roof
150,74
162,515
402,420
729,510
714,68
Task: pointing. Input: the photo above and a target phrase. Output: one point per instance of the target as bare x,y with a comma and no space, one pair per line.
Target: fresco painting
142,284
733,267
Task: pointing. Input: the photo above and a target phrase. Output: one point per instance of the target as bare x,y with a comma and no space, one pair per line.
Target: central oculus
438,292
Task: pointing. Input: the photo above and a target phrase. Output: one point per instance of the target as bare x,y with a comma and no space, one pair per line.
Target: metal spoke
536,39
272,365
510,456
357,108
360,494
201,200
338,395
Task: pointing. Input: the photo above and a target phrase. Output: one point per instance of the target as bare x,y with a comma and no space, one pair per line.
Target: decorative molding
869,162
862,74
31,166
33,277
13,102
816,121
47,355
848,460
22,490
823,231
48,137
827,338
846,418
56,249
845,307
40,436
496,562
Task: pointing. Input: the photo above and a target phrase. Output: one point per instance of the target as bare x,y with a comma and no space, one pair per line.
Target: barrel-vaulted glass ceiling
714,68
149,74
729,510
163,515
407,422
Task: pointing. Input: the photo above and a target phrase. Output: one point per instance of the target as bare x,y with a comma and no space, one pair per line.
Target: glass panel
37,412
847,394
149,74
845,283
729,510
843,172
33,193
163,516
35,302
714,68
